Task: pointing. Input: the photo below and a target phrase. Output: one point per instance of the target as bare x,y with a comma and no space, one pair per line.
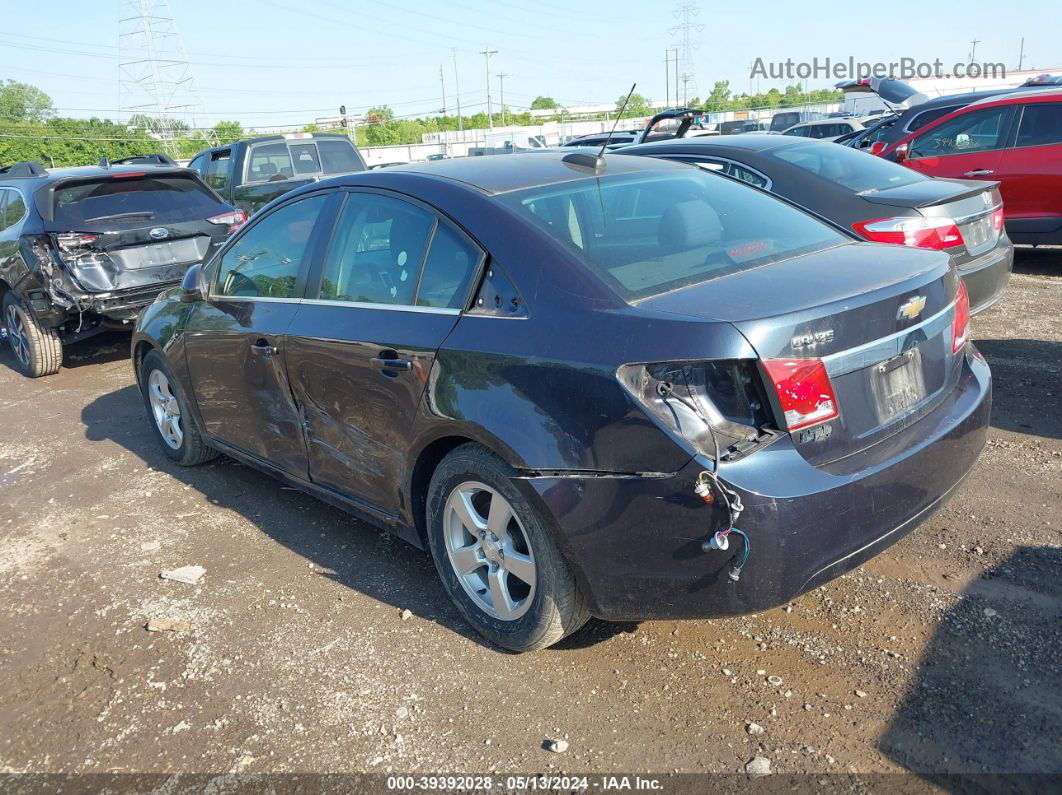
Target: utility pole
676,77
442,82
1021,53
457,88
501,91
667,77
973,49
486,57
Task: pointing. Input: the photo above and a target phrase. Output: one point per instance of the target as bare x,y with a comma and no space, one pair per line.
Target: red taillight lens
804,390
74,241
997,219
935,233
233,220
960,324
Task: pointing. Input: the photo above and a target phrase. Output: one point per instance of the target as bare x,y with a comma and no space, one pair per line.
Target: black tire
38,351
556,608
192,449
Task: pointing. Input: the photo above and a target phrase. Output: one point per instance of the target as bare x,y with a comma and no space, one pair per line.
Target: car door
964,146
361,348
234,339
1030,172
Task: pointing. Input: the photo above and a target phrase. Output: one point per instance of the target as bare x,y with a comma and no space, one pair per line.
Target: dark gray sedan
877,199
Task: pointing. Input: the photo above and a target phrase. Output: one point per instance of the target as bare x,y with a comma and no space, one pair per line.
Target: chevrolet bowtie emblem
912,309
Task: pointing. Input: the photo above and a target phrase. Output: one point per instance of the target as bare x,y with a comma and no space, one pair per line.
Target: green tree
228,131
543,103
23,102
379,113
637,105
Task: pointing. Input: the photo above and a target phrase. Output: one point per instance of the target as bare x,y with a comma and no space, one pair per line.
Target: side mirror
901,152
191,287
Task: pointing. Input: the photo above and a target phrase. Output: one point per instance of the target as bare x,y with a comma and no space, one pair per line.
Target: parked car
1015,139
85,249
249,174
913,110
574,379
741,126
877,200
825,129
787,118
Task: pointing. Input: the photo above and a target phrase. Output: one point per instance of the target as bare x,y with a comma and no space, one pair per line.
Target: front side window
644,235
978,131
1041,125
930,116
198,164
218,172
265,261
270,162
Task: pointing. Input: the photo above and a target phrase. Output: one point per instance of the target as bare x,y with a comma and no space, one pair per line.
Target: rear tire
38,350
486,568
170,414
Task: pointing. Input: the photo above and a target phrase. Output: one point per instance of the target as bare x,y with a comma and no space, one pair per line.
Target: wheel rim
16,333
489,551
165,409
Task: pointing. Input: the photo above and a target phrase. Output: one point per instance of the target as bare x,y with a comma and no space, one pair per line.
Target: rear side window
1041,125
140,199
799,131
265,261
13,209
270,162
338,156
858,171
645,235
977,131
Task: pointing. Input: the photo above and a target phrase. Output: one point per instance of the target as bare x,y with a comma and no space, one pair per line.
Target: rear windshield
649,234
128,201
858,171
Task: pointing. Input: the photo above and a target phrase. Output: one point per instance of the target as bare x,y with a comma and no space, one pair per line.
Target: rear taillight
233,220
917,231
960,323
703,402
69,242
804,391
997,219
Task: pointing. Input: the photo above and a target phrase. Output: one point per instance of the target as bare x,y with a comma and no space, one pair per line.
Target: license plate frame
898,384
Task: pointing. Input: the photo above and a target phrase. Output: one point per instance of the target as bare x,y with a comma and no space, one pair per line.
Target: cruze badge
912,309
812,338
159,233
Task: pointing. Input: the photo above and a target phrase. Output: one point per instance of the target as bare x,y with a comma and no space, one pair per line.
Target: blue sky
275,62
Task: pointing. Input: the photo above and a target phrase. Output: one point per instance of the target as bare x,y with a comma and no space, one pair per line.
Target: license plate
979,235
172,252
898,384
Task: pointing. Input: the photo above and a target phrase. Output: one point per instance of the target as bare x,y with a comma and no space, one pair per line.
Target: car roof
1026,95
495,174
279,137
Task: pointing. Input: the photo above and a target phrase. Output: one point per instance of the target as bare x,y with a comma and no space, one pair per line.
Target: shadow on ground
351,552
988,695
1038,261
1026,383
101,349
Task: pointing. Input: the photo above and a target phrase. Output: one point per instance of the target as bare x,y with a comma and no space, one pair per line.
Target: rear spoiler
24,169
929,193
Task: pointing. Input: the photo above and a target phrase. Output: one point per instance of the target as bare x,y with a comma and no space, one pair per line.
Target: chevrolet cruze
618,386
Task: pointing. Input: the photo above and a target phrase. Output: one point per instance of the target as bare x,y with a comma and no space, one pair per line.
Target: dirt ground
941,655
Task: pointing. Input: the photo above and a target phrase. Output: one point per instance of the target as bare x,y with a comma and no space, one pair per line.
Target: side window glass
265,261
979,131
377,251
270,162
745,175
217,171
198,164
3,204
1041,125
14,209
449,268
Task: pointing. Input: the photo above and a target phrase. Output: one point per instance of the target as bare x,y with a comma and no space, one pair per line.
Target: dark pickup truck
249,174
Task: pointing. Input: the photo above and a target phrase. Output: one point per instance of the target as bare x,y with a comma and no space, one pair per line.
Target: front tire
38,350
496,555
170,414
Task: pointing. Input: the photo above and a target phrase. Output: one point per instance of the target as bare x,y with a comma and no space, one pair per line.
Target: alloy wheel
16,333
165,409
489,551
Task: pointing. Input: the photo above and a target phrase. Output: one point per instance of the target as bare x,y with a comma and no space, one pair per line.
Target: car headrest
689,224
267,169
408,235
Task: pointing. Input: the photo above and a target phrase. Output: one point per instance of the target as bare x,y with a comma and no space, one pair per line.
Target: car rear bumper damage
635,541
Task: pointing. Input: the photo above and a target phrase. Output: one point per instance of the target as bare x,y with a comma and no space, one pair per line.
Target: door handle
383,363
979,172
264,348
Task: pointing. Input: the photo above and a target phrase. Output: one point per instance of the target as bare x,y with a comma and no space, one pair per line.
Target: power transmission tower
685,29
154,76
486,55
501,90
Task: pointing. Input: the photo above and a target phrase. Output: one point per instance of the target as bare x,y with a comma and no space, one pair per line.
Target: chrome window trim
227,299
879,350
428,310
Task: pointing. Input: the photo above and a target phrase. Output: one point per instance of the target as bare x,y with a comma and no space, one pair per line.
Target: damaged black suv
85,249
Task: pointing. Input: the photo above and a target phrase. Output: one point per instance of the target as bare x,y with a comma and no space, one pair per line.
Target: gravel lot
941,655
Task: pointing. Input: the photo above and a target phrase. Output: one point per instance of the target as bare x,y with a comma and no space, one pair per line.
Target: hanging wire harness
707,486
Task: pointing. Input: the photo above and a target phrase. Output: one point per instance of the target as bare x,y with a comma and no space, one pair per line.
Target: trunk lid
895,93
879,316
